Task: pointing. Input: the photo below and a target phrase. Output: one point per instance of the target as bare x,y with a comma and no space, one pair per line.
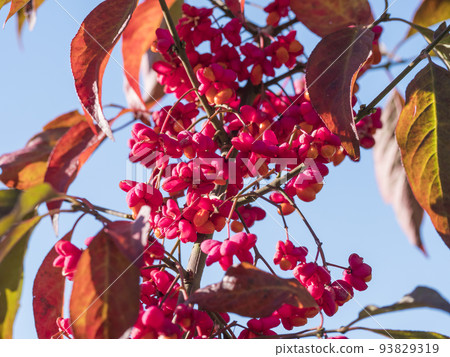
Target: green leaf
11,279
422,135
105,294
25,205
16,225
8,199
420,297
442,49
431,12
400,334
17,233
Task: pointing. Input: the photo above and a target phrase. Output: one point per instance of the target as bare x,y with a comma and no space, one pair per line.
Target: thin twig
366,110
274,185
311,230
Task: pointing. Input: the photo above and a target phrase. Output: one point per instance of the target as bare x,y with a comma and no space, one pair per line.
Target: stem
113,212
197,259
249,26
169,114
389,64
311,230
274,185
364,111
282,27
300,67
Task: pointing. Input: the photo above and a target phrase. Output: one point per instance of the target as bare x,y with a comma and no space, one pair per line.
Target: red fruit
237,226
286,208
207,228
200,218
306,194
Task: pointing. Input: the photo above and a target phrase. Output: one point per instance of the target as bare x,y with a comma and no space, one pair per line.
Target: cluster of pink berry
317,279
267,134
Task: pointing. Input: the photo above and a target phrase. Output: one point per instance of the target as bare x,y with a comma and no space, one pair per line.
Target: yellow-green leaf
442,49
431,12
422,135
11,279
11,270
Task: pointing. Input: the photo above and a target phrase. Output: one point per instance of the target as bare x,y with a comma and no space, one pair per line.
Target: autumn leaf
68,156
131,236
137,39
422,296
26,167
330,75
16,5
391,176
249,291
105,294
90,51
27,13
325,17
442,49
422,135
48,294
430,12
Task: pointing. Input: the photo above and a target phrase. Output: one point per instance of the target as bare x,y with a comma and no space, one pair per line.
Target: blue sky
348,215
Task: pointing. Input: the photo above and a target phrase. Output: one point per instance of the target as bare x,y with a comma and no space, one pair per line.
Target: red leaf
68,156
90,51
131,237
26,167
330,75
105,294
325,17
16,5
137,39
48,294
248,291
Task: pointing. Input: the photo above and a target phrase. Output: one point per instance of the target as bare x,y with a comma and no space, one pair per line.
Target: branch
311,230
366,110
249,26
300,67
282,27
272,186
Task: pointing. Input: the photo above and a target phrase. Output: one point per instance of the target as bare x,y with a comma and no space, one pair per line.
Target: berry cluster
197,180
